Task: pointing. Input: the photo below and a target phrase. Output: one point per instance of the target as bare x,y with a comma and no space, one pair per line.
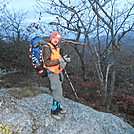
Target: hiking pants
56,85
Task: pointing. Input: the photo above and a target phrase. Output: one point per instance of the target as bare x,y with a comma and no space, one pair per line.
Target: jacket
50,58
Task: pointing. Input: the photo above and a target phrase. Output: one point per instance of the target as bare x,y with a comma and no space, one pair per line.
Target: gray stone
32,116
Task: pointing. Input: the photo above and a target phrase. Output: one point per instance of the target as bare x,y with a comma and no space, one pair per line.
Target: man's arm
46,53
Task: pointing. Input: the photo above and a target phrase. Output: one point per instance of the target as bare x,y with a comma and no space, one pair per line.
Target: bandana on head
55,34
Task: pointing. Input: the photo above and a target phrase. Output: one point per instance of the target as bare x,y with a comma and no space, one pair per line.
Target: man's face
55,40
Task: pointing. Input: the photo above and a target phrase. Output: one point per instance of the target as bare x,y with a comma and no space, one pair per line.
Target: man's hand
63,61
66,58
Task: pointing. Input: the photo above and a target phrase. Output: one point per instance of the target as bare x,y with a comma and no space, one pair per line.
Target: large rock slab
32,116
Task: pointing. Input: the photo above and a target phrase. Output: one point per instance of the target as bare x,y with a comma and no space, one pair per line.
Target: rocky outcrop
32,116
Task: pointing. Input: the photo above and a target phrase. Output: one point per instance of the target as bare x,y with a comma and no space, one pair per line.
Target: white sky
26,5
21,4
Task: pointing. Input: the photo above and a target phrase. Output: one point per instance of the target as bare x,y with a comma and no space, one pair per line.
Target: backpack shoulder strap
48,45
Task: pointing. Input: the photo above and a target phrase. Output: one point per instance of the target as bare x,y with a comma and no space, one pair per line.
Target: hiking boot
62,111
55,110
55,114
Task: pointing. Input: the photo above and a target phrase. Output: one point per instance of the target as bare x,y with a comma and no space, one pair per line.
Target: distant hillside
128,39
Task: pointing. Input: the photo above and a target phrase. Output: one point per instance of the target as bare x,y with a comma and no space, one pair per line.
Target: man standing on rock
55,64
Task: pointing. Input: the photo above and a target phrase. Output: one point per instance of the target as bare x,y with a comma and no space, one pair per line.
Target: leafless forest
101,69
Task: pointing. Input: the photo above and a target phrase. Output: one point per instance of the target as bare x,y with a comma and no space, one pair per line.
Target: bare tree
70,18
101,17
3,4
12,24
109,18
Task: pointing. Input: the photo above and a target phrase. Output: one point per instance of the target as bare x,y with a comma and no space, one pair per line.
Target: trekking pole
74,91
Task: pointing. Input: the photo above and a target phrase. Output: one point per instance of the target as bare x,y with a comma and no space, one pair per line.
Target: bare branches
98,68
124,32
3,4
124,20
97,13
102,19
11,23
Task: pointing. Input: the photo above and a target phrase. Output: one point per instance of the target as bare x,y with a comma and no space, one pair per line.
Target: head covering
55,34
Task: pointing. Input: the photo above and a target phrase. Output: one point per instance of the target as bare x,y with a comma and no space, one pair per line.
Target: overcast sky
27,5
32,16
21,4
24,5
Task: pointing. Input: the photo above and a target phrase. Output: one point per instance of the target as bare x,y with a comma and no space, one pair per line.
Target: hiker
55,64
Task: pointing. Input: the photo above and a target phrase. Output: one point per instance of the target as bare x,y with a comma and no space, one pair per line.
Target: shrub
6,129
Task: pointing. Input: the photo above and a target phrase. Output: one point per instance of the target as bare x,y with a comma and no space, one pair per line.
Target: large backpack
35,49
